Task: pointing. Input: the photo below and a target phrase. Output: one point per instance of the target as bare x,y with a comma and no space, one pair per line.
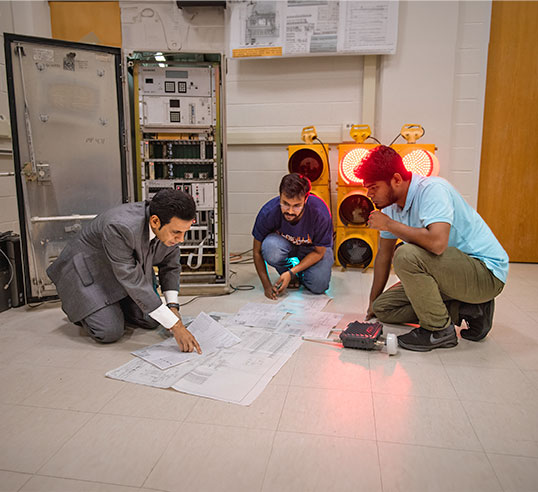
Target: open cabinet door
68,135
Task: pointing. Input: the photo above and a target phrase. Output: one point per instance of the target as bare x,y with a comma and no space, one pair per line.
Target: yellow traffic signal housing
355,246
324,193
311,161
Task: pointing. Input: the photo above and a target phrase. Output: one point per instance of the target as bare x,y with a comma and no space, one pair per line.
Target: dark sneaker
422,340
479,318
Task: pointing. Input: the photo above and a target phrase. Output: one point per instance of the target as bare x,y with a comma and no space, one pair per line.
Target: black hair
169,203
295,185
380,165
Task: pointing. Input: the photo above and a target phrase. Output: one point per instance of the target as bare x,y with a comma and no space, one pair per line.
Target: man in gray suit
105,275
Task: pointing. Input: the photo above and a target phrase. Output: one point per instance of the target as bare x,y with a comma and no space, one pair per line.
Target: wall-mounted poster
277,28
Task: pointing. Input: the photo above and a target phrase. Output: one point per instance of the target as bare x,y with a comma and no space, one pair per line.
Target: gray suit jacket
109,260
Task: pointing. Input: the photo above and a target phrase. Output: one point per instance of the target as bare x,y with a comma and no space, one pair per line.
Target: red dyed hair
380,165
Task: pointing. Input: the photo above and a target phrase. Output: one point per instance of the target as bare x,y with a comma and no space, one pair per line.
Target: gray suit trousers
107,325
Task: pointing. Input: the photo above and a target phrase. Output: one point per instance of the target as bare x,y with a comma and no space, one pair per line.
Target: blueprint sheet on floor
243,355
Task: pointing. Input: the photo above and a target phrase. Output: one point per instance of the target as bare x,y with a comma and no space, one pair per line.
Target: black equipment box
5,295
11,265
361,335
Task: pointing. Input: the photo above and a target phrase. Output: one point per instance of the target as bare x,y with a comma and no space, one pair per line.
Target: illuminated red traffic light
349,163
422,162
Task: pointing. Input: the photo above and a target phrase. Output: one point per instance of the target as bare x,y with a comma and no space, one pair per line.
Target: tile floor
462,419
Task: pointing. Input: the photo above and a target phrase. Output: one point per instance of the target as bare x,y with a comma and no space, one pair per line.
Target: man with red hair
450,265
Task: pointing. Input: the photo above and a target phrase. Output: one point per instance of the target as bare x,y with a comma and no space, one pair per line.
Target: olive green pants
432,286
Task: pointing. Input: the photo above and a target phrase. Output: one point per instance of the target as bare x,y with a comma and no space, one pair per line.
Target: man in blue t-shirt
294,225
450,265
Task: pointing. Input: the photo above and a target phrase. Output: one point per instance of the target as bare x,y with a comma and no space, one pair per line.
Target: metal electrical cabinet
178,123
67,122
71,139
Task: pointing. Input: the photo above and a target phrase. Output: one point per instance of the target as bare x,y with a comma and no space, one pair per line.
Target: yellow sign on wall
254,52
86,22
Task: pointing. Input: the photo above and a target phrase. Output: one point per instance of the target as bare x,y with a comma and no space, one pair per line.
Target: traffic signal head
419,158
354,208
349,157
348,164
309,161
421,161
355,247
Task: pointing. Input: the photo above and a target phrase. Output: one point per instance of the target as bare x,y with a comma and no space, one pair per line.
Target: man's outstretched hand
185,339
271,292
283,281
369,313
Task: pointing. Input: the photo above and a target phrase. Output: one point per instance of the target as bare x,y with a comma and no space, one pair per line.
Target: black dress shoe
479,319
422,340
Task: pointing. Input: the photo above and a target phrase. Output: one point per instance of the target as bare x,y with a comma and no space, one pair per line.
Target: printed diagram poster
273,28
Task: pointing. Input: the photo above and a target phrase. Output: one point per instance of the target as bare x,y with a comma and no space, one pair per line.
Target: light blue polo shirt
434,199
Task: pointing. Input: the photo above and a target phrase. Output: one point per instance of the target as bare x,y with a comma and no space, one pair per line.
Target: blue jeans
277,252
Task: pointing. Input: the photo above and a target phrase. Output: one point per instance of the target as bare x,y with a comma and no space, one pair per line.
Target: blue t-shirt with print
434,199
315,227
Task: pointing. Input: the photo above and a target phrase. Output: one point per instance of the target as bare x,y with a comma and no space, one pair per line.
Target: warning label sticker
252,52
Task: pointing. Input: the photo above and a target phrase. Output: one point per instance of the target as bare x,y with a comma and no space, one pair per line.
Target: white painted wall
417,83
436,78
31,18
469,96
